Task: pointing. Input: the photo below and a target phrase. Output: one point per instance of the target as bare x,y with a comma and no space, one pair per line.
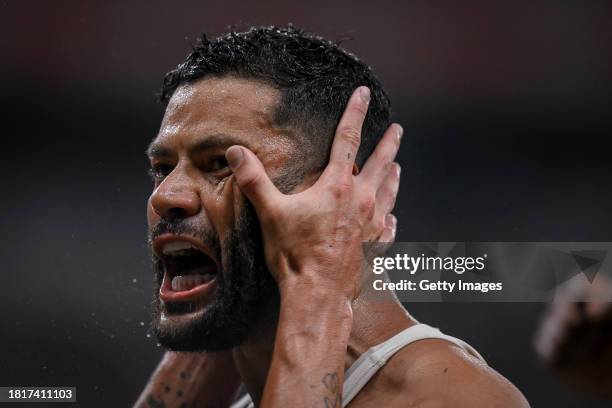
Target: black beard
246,294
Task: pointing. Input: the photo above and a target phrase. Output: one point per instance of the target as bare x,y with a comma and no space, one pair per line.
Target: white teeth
186,282
174,246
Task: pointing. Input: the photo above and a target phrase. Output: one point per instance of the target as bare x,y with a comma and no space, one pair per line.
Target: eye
219,163
158,172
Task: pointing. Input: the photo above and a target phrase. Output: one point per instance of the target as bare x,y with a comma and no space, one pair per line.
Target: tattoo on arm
333,398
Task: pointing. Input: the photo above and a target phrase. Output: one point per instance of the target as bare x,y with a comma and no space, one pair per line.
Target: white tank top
358,375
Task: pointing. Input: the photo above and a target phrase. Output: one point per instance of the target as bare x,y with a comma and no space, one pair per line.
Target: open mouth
189,273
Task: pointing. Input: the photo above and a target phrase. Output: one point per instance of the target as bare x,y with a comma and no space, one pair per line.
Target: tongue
186,282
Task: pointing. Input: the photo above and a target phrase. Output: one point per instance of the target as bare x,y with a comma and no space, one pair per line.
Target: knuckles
367,205
341,189
351,134
362,108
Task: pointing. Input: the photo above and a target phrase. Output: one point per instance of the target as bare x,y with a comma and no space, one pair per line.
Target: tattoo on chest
168,398
154,403
333,398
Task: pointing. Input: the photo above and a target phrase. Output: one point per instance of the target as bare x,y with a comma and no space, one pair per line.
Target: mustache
178,226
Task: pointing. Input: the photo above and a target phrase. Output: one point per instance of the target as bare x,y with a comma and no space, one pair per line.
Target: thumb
251,177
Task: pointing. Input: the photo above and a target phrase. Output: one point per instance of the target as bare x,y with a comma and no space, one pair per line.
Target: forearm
307,368
203,379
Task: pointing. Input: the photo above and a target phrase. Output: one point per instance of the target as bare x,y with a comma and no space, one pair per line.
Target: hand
575,338
314,238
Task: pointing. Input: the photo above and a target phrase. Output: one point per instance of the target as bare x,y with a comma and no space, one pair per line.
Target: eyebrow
155,150
208,142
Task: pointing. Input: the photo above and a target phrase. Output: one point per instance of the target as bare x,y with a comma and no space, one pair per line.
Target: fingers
252,178
387,192
383,240
383,204
388,234
348,134
384,201
375,168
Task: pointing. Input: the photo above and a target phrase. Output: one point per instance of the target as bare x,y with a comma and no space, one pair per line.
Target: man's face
213,285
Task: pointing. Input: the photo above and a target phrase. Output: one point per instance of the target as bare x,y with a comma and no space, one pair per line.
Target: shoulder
435,373
440,374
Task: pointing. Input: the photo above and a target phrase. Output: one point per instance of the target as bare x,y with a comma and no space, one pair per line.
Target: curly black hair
315,78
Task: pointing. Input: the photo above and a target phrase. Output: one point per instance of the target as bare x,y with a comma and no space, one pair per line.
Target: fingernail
398,169
400,132
234,156
364,91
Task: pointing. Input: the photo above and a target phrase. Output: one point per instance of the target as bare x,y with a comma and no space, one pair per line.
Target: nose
175,198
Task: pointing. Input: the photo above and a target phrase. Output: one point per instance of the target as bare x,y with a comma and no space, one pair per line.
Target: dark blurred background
506,107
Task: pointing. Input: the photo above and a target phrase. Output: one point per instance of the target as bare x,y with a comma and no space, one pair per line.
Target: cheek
224,206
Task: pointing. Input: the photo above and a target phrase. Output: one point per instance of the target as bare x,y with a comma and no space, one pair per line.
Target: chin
189,327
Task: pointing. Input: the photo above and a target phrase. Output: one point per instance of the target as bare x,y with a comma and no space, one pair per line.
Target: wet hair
315,78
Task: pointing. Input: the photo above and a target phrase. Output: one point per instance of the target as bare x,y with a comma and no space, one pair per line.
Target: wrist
315,284
305,302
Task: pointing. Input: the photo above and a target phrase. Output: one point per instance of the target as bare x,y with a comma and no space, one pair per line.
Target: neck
373,323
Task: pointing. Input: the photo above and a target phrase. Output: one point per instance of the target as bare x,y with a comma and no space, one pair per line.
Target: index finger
348,133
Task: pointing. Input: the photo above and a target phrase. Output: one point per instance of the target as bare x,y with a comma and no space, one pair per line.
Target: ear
355,169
